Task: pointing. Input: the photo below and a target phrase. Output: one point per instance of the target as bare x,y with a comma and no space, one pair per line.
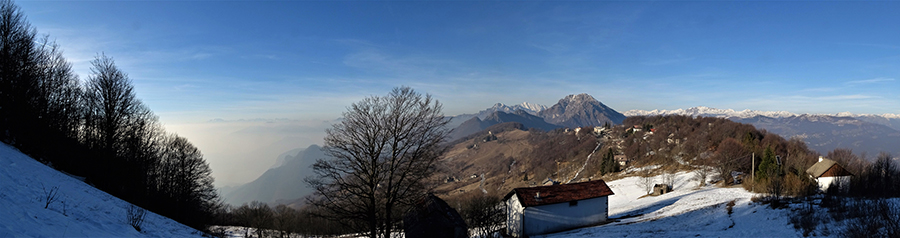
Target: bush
872,218
805,219
134,215
484,214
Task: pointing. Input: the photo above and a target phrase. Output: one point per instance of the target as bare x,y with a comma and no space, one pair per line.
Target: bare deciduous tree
701,173
727,158
382,154
669,178
646,181
484,214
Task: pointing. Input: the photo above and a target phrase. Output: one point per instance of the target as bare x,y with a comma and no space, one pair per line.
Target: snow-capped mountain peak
530,108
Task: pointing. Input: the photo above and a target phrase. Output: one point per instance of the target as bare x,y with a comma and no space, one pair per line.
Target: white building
540,210
827,172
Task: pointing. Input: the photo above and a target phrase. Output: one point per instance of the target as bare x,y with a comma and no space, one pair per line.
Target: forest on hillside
96,127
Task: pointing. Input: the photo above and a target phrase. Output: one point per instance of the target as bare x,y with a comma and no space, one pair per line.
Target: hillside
499,160
79,210
867,133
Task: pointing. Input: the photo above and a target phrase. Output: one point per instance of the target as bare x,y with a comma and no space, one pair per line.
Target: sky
248,80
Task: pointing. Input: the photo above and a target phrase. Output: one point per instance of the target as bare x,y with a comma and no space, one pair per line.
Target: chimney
820,158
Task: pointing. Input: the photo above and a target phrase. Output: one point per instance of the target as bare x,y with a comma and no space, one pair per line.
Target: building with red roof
545,209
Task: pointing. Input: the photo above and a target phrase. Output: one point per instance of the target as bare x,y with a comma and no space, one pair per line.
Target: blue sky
306,61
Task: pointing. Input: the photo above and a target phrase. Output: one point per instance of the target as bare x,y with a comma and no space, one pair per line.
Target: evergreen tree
608,164
768,167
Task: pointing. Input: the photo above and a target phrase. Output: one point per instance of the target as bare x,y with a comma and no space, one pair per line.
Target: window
573,203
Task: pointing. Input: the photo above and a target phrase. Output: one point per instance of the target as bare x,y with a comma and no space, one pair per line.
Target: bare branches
134,215
49,195
382,152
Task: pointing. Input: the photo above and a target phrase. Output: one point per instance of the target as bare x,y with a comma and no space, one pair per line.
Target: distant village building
540,210
549,181
621,159
827,172
637,128
599,130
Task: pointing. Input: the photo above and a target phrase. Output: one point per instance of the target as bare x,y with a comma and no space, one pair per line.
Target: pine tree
768,167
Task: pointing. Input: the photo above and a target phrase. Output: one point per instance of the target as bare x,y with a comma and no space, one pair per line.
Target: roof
825,165
560,193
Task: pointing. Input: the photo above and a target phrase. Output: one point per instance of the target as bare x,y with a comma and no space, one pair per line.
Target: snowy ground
79,210
686,212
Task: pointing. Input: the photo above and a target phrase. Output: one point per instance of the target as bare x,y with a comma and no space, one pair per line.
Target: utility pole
753,169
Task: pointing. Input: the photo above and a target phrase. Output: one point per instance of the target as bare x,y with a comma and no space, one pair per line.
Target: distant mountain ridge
571,111
530,108
710,112
279,184
887,119
825,133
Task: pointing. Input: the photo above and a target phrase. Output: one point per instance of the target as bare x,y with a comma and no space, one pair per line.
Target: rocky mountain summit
581,110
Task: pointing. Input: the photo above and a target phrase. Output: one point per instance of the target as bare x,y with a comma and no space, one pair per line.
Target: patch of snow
78,211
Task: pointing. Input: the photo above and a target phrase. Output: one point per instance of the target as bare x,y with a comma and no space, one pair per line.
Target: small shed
827,172
431,217
660,189
541,210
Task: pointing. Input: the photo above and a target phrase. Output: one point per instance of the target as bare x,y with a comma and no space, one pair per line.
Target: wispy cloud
819,90
844,97
870,81
668,61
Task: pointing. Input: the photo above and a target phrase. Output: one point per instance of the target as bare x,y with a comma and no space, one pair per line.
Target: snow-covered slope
686,212
78,211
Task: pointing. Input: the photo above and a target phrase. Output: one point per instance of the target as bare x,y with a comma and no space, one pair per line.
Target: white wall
514,211
826,182
556,217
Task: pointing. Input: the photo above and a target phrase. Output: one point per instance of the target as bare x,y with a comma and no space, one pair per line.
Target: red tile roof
560,193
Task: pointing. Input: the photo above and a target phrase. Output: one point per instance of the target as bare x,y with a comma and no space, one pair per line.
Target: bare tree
484,214
727,158
382,153
669,178
646,181
701,173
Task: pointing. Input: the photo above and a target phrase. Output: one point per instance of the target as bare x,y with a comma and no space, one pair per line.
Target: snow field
687,211
79,210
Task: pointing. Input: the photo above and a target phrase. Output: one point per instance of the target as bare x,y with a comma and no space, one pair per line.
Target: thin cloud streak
871,81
